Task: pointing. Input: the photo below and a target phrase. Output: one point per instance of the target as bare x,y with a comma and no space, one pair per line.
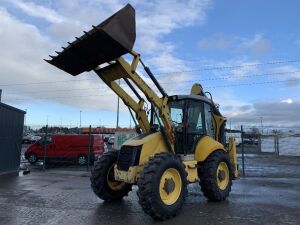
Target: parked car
30,138
111,141
66,148
26,139
106,138
250,141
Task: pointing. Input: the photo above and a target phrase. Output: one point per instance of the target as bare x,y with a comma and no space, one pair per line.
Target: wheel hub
221,175
169,185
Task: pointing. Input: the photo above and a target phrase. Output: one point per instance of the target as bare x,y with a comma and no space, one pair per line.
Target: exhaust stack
109,40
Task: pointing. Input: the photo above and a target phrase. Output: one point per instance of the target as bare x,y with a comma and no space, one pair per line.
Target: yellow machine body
205,147
102,50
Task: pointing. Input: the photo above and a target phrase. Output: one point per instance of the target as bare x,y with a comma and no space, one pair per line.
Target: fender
205,147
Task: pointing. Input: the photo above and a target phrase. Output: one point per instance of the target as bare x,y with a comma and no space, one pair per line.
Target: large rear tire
162,186
102,180
216,176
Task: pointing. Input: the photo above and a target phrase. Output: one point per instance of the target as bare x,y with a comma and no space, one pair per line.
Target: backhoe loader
181,137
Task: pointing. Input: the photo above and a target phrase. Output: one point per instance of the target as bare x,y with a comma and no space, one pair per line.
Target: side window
48,140
208,120
177,115
177,111
195,111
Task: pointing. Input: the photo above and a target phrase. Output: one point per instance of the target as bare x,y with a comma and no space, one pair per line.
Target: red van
65,147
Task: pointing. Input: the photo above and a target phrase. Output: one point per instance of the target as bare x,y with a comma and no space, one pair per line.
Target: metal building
11,133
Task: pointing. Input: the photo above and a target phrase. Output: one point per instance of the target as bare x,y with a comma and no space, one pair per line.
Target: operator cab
192,118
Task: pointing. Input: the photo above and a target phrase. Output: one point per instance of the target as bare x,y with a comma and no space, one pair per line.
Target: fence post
89,148
259,143
277,145
45,147
243,153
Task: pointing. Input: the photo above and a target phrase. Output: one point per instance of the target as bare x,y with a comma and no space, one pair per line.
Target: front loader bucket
109,40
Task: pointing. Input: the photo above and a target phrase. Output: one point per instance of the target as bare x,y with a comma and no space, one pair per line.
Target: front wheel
216,176
102,180
162,186
32,158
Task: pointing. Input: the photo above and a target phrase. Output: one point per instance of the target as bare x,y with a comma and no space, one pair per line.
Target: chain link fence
260,153
73,149
79,152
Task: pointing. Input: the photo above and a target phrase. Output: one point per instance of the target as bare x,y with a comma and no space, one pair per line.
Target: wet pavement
59,196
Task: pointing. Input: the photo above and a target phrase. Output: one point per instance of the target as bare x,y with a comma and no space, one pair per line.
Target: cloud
217,42
274,113
38,11
288,101
22,52
258,45
297,42
245,108
291,75
25,44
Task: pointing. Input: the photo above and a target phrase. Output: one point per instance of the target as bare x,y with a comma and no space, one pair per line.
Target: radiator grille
128,156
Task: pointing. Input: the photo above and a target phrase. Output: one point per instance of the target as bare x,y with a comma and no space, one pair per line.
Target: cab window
176,111
195,117
208,120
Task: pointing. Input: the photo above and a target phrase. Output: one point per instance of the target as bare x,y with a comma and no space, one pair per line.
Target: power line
242,84
230,67
164,73
218,86
60,90
230,77
188,81
46,82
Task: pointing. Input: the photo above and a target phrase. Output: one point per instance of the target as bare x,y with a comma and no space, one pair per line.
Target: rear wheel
102,180
216,176
162,186
32,158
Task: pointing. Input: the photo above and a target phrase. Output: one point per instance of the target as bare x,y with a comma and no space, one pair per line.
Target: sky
245,53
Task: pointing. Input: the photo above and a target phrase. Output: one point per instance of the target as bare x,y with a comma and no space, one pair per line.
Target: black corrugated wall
11,132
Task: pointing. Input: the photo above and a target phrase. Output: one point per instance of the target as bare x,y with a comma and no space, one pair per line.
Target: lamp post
80,121
261,125
118,108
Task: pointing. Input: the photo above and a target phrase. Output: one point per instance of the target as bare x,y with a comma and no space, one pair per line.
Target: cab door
195,125
177,111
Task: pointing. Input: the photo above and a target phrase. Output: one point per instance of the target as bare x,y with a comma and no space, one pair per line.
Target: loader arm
101,50
121,69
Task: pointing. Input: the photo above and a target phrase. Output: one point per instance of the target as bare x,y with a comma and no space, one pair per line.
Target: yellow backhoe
181,140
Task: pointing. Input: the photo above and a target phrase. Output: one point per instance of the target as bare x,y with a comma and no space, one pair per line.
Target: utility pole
118,108
261,125
24,118
60,125
80,119
47,119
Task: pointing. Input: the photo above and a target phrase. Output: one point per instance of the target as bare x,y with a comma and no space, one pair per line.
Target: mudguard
205,147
